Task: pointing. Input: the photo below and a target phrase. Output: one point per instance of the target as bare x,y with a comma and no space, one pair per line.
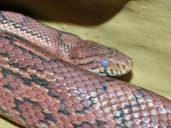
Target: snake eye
104,63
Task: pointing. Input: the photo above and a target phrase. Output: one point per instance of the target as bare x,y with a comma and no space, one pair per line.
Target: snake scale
38,89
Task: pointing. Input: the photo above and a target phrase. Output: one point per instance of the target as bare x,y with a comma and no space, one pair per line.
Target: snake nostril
104,63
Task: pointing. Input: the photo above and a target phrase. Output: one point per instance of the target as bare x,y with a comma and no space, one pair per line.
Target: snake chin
116,70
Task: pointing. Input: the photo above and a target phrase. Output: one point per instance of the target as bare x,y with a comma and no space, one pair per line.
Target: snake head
101,59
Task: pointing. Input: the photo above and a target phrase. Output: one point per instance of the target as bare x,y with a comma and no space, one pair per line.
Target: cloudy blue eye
104,63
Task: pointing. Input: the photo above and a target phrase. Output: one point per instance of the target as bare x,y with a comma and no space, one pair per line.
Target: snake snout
113,67
116,66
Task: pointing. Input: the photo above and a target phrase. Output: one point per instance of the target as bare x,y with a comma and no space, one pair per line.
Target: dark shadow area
82,12
127,77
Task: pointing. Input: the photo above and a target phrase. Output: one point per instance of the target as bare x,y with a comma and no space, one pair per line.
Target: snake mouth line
116,70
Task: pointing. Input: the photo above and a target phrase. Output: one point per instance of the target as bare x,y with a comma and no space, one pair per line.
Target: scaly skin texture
40,91
87,54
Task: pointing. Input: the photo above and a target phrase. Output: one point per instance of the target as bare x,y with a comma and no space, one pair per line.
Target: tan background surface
140,28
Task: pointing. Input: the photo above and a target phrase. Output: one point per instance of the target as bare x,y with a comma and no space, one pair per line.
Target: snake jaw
114,68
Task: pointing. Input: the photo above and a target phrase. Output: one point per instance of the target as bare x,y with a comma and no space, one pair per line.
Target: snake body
38,89
87,54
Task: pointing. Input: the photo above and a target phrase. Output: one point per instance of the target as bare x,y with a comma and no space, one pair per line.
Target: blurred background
78,11
140,28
